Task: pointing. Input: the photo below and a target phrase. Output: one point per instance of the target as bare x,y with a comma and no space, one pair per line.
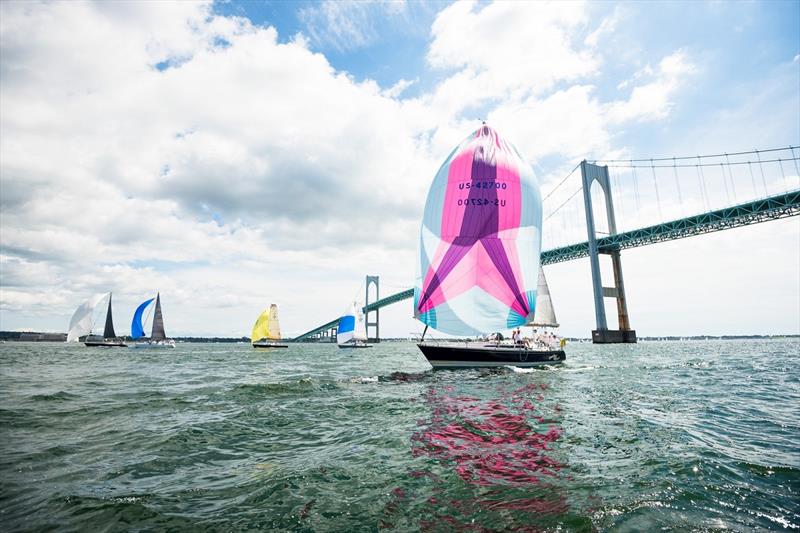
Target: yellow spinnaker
266,326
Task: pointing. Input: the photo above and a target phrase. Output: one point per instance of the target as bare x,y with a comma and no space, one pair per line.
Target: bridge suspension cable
554,189
650,159
640,200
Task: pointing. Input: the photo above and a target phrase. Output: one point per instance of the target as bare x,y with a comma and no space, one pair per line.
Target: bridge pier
376,323
602,335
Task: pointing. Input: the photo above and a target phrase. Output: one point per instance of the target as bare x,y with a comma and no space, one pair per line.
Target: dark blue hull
479,355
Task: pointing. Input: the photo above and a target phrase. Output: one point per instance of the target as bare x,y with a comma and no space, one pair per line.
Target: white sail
81,322
273,326
544,314
360,333
347,325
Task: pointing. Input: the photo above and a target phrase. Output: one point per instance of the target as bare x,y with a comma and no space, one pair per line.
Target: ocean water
679,436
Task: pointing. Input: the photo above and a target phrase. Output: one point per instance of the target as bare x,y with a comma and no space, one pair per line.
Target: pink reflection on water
490,442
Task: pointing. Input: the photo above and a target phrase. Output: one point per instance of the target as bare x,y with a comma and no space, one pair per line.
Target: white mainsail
360,332
544,314
81,322
273,325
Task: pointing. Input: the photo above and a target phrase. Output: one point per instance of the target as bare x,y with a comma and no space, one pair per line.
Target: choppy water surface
670,435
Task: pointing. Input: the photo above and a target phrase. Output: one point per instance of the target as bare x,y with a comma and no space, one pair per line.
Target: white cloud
506,50
344,24
653,100
252,150
398,88
607,26
568,123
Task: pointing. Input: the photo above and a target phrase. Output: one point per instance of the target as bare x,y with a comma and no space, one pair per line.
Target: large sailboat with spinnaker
82,323
479,249
158,337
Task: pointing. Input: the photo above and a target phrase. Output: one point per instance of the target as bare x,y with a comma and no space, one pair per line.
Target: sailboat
158,337
267,330
352,333
81,324
479,249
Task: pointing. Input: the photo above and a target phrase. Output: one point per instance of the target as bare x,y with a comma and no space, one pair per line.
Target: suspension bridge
659,199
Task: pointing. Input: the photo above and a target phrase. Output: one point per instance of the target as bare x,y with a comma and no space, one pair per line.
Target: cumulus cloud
507,50
653,100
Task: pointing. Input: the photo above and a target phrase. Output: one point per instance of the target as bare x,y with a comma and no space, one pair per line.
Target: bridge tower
370,280
603,335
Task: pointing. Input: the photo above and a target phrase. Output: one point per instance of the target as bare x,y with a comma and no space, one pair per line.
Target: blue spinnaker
137,330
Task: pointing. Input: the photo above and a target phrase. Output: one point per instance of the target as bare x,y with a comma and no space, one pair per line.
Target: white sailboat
267,330
158,337
352,332
82,323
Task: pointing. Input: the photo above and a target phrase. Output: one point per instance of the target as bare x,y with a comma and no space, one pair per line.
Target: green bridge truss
772,208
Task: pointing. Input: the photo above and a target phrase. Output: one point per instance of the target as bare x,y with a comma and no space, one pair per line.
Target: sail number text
481,201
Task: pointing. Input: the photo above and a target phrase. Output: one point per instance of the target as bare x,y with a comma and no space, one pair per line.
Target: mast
158,333
108,332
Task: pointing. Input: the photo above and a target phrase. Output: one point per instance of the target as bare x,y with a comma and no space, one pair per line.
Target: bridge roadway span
772,208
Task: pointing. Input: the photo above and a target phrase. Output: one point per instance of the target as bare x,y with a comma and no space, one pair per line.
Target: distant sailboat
158,337
267,330
81,324
352,333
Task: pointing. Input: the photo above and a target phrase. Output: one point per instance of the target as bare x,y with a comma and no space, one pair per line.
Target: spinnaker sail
81,322
137,329
480,240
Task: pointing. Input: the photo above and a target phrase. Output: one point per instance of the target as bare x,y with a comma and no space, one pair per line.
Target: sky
236,154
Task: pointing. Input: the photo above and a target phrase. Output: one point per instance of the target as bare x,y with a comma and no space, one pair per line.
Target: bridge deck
772,208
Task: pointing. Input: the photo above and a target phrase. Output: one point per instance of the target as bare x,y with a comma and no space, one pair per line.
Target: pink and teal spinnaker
480,240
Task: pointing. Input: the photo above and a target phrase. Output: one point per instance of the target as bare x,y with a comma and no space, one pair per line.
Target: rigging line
761,167
734,163
658,198
690,157
565,202
730,172
561,182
